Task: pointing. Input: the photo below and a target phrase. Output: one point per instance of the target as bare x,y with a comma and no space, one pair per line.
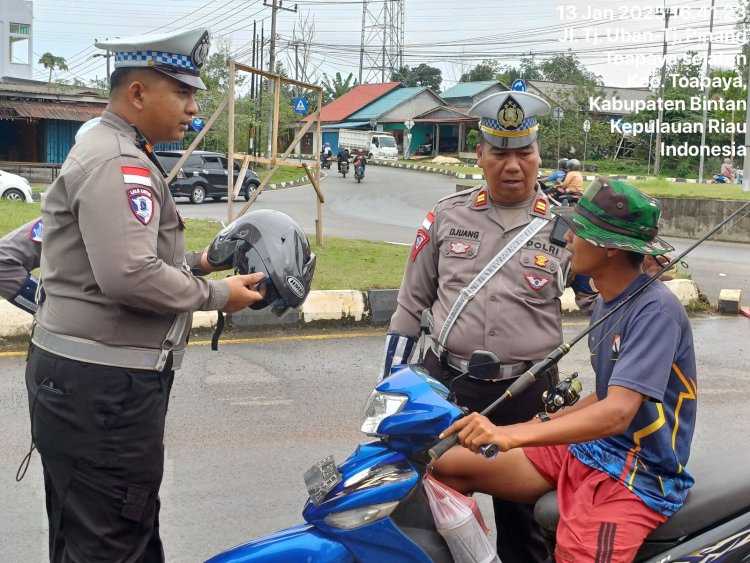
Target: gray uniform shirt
20,252
517,313
114,268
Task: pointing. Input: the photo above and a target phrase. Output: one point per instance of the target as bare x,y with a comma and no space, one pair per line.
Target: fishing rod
531,376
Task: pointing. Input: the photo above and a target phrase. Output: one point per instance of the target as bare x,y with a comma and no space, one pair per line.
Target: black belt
455,365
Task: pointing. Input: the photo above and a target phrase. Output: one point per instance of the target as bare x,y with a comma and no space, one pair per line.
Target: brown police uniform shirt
19,254
517,313
114,268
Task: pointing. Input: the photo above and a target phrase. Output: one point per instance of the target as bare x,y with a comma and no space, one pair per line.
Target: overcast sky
453,35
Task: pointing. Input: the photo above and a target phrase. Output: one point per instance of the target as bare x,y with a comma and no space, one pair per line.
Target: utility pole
107,55
660,117
275,6
705,96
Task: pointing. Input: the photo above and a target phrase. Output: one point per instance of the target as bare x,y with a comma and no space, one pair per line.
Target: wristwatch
542,416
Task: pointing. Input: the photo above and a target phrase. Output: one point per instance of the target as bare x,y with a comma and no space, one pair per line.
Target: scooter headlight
379,407
350,519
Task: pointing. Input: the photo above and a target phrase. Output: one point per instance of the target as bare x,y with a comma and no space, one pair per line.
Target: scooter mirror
483,364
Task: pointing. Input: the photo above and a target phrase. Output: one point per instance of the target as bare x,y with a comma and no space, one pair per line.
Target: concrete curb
324,307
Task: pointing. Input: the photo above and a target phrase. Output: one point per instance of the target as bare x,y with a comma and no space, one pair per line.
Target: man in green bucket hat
617,458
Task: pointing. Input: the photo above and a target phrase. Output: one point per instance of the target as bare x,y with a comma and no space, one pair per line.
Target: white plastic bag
458,520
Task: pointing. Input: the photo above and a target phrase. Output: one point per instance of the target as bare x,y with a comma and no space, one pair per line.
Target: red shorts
600,519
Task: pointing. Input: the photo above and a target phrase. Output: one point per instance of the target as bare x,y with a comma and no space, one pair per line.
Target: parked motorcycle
359,172
344,167
373,507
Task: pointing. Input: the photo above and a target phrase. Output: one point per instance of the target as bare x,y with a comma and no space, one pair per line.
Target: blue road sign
300,106
518,85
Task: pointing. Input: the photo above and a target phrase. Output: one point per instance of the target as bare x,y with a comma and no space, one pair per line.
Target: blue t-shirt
647,346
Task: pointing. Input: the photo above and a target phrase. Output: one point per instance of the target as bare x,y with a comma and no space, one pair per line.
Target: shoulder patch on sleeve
419,243
136,175
37,231
141,202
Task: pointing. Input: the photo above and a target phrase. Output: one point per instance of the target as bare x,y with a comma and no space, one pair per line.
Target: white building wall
16,12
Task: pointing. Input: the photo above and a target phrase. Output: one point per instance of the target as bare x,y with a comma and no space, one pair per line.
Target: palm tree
337,87
50,61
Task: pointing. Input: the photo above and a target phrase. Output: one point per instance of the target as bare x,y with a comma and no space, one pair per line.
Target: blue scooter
372,508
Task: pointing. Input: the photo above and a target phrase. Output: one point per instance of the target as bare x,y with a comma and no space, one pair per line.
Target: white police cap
178,54
508,119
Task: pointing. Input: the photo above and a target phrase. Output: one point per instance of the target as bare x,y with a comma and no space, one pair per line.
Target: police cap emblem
200,51
511,114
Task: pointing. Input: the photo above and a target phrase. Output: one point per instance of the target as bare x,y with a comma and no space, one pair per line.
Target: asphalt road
391,203
246,422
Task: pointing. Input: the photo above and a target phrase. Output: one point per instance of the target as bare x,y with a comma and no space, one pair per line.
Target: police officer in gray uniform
516,314
20,253
117,295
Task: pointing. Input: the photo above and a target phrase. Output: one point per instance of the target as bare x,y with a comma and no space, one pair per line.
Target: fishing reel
564,394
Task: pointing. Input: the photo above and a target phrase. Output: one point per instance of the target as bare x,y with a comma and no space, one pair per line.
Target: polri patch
540,206
37,231
536,282
422,239
141,202
136,175
481,199
541,260
459,248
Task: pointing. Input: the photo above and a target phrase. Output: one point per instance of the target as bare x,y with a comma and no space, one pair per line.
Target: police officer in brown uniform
118,291
20,253
516,312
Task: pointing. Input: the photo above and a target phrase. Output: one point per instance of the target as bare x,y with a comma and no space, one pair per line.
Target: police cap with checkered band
179,55
508,119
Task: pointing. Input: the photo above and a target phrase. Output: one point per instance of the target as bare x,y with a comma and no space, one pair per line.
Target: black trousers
518,537
99,431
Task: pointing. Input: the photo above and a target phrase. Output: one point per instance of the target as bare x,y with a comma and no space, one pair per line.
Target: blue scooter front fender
303,543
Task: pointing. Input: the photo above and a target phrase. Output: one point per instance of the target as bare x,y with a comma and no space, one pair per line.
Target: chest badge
459,248
541,260
536,282
141,204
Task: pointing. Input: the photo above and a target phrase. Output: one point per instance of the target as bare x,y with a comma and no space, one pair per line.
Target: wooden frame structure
234,190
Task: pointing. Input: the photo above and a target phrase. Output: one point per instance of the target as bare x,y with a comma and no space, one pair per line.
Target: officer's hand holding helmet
273,243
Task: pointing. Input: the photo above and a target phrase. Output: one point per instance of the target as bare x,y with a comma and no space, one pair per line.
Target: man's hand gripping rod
529,378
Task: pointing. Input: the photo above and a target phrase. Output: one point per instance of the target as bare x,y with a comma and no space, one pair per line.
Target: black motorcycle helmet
273,243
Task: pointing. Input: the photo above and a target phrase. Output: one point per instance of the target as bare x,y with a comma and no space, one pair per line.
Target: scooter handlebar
443,446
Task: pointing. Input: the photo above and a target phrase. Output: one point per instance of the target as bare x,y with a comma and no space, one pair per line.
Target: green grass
342,263
283,174
663,188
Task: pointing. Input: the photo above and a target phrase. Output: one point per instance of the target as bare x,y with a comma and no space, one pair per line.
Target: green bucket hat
614,214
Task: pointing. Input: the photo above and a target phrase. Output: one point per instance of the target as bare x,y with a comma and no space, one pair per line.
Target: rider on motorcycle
617,457
571,188
557,175
326,154
360,160
343,156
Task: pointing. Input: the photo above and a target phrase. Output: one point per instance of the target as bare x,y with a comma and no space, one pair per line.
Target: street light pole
705,96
